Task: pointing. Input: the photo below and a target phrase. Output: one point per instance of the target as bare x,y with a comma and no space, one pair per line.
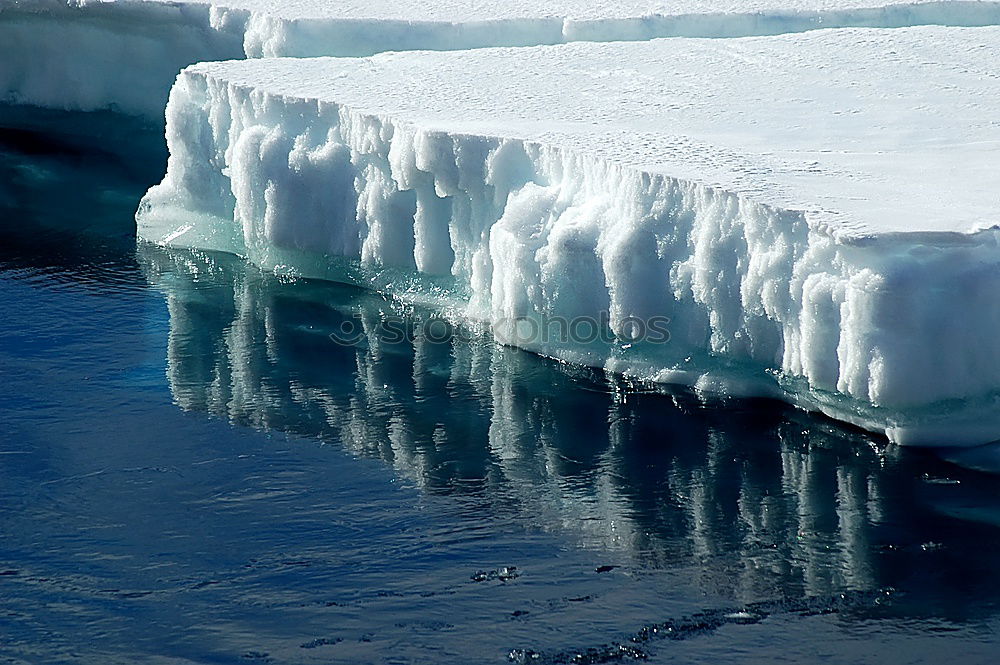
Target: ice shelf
124,54
815,213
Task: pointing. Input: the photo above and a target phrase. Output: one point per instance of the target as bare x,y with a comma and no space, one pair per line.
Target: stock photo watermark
541,330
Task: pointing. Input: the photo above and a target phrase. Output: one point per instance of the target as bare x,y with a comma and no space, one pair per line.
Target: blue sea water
192,470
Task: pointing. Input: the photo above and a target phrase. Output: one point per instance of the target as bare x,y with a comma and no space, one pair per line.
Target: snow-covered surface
816,213
88,54
868,131
465,11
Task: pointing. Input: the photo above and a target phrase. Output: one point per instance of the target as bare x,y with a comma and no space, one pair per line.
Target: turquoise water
193,470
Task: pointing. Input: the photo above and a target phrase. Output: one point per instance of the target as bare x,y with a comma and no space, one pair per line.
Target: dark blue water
192,471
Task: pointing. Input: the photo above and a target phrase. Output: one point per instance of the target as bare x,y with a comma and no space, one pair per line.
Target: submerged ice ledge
124,54
834,245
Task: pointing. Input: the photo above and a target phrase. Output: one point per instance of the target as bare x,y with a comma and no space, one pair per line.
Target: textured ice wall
124,54
851,315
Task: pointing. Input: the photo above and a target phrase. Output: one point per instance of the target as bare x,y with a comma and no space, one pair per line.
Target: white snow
816,213
123,54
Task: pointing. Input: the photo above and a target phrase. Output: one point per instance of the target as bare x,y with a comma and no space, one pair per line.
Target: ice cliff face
833,245
124,54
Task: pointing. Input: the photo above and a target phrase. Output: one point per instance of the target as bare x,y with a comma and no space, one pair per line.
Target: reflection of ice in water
750,497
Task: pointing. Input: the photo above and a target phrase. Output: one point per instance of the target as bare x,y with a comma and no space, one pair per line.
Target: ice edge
761,300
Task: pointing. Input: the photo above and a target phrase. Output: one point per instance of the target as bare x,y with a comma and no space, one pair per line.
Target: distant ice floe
124,54
815,213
